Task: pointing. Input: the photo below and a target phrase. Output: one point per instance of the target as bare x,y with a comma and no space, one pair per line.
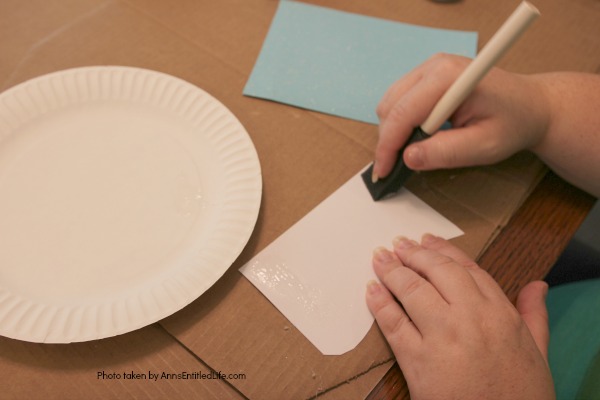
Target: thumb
531,304
458,147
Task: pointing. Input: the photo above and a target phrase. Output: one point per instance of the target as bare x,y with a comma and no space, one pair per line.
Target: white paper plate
124,195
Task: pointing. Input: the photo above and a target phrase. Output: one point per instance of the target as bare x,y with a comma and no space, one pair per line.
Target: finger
406,113
484,281
421,301
408,103
531,304
396,326
398,89
454,283
475,144
440,66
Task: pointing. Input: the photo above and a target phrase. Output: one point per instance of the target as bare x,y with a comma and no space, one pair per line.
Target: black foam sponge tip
400,173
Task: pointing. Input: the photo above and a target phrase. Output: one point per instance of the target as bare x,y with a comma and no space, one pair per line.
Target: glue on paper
316,272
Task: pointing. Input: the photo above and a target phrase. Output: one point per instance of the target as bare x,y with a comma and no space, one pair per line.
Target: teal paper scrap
341,63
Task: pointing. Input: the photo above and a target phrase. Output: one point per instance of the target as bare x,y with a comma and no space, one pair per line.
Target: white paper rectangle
316,272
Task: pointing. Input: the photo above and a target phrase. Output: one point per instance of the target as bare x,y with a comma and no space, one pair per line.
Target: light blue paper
341,63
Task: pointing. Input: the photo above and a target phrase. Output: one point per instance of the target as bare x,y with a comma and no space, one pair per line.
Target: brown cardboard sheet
115,368
305,156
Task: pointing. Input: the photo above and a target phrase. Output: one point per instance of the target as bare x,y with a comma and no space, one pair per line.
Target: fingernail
401,242
428,238
374,176
382,254
414,157
373,287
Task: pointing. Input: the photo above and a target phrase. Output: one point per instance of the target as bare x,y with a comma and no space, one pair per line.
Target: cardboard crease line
353,378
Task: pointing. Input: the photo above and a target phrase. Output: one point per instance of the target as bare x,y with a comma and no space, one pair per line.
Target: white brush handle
508,33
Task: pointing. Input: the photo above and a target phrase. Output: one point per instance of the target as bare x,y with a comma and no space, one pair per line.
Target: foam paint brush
502,40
